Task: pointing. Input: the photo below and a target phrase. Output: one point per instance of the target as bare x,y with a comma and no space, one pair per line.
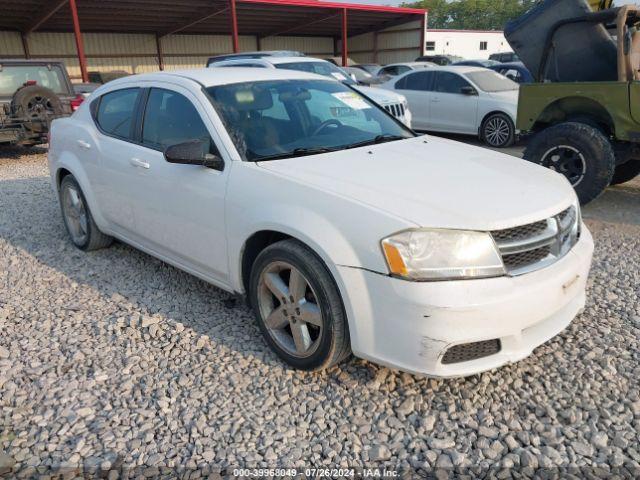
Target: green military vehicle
583,111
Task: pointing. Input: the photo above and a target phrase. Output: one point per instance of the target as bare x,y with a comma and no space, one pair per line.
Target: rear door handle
435,100
83,144
136,162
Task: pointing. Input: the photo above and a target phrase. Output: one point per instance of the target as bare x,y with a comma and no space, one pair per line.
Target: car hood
382,97
434,182
510,96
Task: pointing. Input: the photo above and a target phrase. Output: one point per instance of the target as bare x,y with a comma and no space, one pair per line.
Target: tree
472,14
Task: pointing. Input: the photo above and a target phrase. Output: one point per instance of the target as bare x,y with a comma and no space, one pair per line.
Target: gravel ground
114,360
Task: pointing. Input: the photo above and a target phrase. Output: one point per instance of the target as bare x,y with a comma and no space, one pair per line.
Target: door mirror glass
468,90
193,152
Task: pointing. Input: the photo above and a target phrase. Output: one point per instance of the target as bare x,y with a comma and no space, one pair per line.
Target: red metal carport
262,18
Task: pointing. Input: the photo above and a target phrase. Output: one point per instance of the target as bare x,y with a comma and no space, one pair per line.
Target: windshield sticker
352,100
338,76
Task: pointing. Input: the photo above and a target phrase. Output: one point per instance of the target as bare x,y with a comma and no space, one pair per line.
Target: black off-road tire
498,140
37,105
594,150
625,172
95,239
334,345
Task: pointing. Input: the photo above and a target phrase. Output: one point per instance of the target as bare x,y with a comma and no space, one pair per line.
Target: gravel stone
113,359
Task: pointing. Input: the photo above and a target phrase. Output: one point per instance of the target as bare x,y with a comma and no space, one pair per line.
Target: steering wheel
325,124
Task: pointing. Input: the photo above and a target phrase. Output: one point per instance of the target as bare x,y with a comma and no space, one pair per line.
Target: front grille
395,109
520,233
529,247
471,351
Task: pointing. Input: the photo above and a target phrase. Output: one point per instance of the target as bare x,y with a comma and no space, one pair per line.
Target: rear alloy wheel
77,217
298,306
578,151
498,131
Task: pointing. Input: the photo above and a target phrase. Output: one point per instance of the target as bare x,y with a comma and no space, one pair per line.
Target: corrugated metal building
147,35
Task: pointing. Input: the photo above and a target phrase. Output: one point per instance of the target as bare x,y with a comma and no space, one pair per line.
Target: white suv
392,102
346,230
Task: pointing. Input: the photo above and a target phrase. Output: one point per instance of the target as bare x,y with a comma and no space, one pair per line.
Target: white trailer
469,44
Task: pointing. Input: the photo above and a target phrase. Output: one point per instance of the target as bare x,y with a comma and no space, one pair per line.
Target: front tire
298,307
81,227
578,151
498,131
625,172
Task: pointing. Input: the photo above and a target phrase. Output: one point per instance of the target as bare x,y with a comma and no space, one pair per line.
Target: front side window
447,82
287,118
169,119
116,111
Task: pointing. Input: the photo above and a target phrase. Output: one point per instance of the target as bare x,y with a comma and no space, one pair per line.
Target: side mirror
193,152
468,90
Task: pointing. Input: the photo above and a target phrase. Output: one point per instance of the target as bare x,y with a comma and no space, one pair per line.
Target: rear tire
303,321
625,172
81,227
498,131
578,151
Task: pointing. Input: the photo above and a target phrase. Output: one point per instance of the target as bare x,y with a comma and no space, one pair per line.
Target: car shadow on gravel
15,152
619,205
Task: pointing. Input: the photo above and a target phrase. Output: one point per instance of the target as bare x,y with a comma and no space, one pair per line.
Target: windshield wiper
296,152
377,139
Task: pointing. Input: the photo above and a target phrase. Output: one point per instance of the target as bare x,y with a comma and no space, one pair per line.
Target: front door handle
435,100
83,144
136,162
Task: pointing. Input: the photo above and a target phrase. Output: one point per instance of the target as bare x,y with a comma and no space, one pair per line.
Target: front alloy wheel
298,306
289,308
498,131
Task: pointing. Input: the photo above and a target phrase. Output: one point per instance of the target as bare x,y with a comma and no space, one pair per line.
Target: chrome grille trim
395,109
536,245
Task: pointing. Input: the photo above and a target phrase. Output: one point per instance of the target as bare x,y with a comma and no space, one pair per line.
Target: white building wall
465,43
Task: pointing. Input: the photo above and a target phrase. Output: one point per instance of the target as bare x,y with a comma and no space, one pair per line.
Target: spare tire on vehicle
36,105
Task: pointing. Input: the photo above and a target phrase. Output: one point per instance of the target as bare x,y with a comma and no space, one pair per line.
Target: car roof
279,60
460,68
221,76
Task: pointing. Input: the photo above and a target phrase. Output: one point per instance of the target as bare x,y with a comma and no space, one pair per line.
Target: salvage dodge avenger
346,230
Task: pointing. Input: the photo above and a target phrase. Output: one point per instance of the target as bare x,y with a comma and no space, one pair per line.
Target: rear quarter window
115,112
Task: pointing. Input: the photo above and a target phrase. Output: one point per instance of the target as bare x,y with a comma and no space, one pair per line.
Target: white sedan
461,99
346,231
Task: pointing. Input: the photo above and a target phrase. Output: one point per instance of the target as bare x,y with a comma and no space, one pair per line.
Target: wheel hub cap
566,160
75,214
497,132
289,309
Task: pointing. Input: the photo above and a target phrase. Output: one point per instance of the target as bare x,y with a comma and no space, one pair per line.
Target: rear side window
169,119
116,112
419,81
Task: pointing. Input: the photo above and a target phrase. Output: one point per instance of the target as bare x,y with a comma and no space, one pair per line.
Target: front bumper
411,325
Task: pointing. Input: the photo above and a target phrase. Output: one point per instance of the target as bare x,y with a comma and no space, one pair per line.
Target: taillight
76,102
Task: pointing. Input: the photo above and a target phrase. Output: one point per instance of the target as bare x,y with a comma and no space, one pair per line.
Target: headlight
426,254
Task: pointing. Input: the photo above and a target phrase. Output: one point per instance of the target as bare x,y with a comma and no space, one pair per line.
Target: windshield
490,81
288,118
12,77
326,69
